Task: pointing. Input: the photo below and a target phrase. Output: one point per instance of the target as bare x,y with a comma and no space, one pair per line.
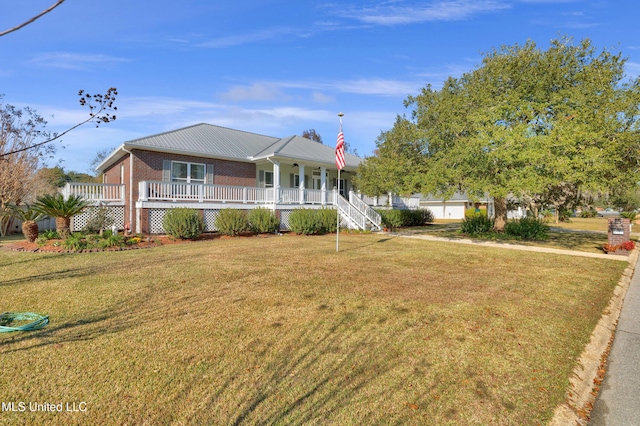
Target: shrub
75,241
304,221
391,219
231,222
418,217
527,228
50,234
328,220
263,221
628,245
183,223
114,240
628,215
476,224
591,212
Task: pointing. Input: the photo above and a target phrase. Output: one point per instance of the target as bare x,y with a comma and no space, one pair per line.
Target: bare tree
24,24
18,129
24,144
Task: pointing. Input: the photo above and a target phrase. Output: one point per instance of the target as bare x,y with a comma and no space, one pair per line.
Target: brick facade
619,232
147,165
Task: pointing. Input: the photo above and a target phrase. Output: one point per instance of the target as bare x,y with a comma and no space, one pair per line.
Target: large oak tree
527,123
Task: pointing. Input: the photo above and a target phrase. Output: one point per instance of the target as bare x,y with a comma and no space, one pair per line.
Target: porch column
276,181
301,182
323,184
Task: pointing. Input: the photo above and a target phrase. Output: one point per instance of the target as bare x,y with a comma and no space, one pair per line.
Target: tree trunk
63,226
30,230
500,208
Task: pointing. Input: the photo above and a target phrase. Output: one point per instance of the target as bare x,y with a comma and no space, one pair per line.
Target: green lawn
285,330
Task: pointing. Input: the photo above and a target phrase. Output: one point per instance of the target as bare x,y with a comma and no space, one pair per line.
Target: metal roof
207,140
299,148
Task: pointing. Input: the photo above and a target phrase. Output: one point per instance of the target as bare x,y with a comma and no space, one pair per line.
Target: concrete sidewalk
618,403
513,246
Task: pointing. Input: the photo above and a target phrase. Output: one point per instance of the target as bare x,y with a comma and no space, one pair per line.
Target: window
296,181
268,179
187,172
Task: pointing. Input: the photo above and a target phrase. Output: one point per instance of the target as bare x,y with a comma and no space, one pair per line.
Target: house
209,168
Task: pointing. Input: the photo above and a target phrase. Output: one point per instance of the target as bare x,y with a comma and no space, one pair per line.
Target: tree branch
24,24
106,106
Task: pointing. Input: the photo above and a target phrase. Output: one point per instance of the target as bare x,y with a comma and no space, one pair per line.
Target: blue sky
270,67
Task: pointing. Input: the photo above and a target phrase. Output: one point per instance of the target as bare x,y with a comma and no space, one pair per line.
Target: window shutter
291,181
261,178
335,183
166,170
209,174
306,182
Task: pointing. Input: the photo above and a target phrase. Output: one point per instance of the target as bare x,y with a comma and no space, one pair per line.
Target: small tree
62,209
100,220
29,217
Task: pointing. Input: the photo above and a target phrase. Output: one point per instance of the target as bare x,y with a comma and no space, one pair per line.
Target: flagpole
338,195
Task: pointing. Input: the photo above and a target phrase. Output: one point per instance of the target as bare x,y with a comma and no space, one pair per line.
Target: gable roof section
207,140
299,148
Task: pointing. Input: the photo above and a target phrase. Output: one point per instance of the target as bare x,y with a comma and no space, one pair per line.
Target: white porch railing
290,196
174,191
95,191
372,215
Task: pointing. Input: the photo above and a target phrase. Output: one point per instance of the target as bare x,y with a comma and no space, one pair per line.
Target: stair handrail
373,216
351,213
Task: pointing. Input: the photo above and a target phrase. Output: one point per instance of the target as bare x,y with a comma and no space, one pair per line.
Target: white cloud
321,98
371,86
255,92
77,61
246,38
392,14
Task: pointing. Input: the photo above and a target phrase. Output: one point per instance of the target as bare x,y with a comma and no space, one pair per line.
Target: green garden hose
36,321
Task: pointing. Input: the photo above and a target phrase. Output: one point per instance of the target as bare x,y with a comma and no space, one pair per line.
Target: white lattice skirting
157,215
284,219
115,213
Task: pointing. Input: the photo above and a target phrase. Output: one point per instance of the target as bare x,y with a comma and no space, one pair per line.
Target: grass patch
585,240
284,330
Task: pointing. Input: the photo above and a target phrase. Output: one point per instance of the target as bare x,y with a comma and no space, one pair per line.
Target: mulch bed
53,246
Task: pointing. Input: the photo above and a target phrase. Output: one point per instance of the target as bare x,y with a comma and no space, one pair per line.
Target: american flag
340,151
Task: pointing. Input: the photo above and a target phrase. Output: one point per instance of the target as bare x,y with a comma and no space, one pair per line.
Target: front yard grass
285,330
